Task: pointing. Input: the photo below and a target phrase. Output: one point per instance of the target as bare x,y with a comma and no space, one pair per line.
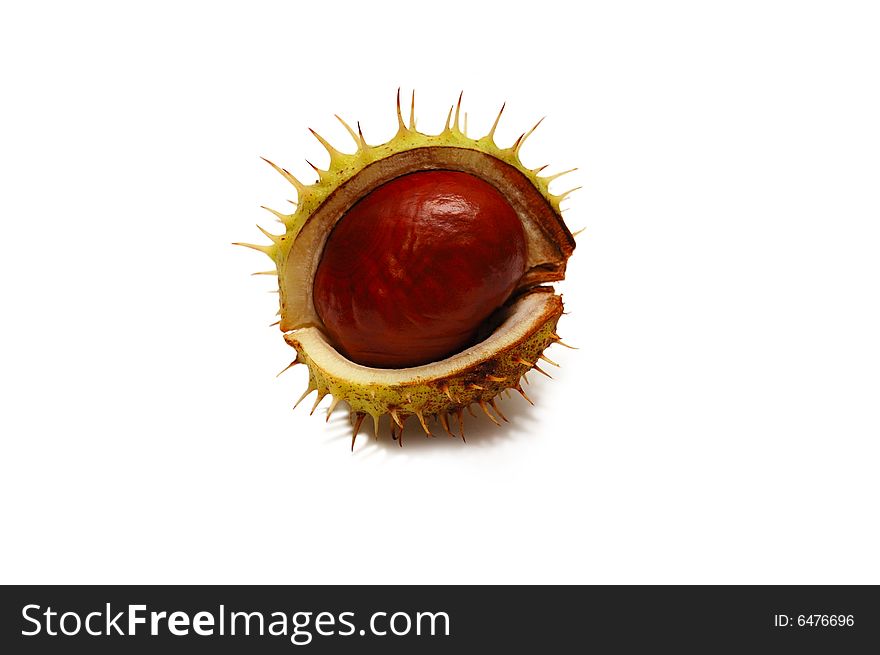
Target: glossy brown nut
411,271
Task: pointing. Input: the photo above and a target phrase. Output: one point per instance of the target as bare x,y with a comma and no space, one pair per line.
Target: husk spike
487,412
421,418
321,395
357,428
401,126
333,403
347,127
491,134
498,411
333,152
287,175
289,366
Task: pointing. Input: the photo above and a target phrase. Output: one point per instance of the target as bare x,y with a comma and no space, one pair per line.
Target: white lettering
178,623
324,618
24,614
346,622
298,625
112,624
433,616
280,622
247,621
373,624
78,623
89,624
203,624
134,619
155,617
408,623
49,614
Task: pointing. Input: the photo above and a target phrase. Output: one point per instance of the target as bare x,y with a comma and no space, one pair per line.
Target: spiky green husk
344,166
428,392
451,388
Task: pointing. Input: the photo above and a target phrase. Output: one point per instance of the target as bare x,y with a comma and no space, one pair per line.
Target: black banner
445,619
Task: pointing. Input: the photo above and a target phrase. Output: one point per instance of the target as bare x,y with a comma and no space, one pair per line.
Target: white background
719,422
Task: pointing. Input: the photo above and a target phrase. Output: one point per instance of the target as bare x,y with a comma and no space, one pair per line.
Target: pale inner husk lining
524,317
